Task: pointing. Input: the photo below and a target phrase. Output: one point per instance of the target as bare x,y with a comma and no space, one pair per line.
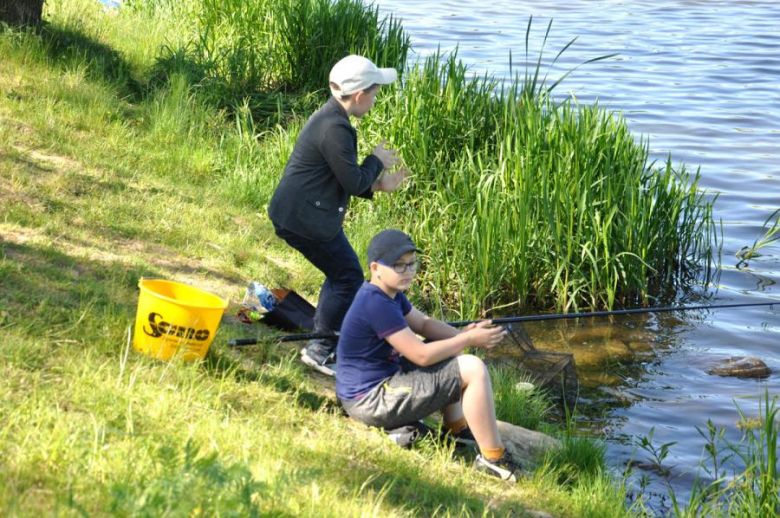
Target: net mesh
551,370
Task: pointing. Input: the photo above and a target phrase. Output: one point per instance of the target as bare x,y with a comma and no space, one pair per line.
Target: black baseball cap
388,246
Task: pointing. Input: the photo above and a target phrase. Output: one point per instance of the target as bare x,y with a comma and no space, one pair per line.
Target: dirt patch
57,162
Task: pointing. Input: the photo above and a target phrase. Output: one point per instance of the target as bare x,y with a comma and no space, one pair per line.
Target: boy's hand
485,335
389,157
389,182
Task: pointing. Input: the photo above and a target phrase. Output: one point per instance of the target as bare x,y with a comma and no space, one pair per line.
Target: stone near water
637,335
525,446
652,467
596,379
592,333
741,367
617,350
622,397
584,335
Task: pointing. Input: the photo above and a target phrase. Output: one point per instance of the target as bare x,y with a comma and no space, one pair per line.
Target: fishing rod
510,320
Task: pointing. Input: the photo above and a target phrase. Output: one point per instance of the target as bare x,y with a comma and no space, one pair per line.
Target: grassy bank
105,179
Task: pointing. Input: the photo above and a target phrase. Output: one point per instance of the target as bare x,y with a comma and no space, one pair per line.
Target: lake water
701,80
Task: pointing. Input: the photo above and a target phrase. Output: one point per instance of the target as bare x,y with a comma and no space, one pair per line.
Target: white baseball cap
355,73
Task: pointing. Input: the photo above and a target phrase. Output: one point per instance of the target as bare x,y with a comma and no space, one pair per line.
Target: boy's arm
431,328
424,355
339,152
482,335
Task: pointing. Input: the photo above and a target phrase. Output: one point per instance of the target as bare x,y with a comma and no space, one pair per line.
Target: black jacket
322,173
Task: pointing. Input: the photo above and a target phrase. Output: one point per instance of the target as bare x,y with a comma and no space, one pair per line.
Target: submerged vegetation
733,478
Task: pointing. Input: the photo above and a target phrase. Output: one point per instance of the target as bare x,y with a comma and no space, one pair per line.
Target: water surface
701,80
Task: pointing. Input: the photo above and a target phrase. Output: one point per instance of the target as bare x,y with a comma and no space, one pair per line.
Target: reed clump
520,199
273,52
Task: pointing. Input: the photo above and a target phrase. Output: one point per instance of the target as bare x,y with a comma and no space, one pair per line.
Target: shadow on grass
405,486
37,203
248,367
65,45
182,473
43,291
42,287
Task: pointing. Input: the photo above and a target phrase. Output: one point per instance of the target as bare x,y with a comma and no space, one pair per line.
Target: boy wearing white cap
388,377
322,174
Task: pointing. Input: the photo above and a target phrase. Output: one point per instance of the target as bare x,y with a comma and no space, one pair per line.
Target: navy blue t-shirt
363,357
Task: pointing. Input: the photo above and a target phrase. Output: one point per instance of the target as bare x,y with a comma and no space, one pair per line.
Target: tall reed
259,49
521,199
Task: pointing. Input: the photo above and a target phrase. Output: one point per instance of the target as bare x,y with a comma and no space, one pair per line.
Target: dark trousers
343,277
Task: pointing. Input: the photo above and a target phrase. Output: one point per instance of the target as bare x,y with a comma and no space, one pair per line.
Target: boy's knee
471,366
350,280
355,284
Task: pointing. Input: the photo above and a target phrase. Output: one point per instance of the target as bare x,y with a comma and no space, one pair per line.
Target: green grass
578,458
261,51
526,408
105,178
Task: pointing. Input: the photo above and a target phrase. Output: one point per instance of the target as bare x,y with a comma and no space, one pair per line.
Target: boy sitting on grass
387,377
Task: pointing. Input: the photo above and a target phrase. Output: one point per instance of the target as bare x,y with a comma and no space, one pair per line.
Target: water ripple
701,80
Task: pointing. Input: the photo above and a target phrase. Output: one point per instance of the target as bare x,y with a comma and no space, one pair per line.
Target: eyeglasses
403,267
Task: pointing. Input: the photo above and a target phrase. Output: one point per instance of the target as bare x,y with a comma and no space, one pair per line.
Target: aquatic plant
771,235
752,489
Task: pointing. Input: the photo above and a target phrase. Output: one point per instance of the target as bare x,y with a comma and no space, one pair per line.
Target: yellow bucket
175,318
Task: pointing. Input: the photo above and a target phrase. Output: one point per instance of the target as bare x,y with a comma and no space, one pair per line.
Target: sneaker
320,358
461,438
504,468
406,436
